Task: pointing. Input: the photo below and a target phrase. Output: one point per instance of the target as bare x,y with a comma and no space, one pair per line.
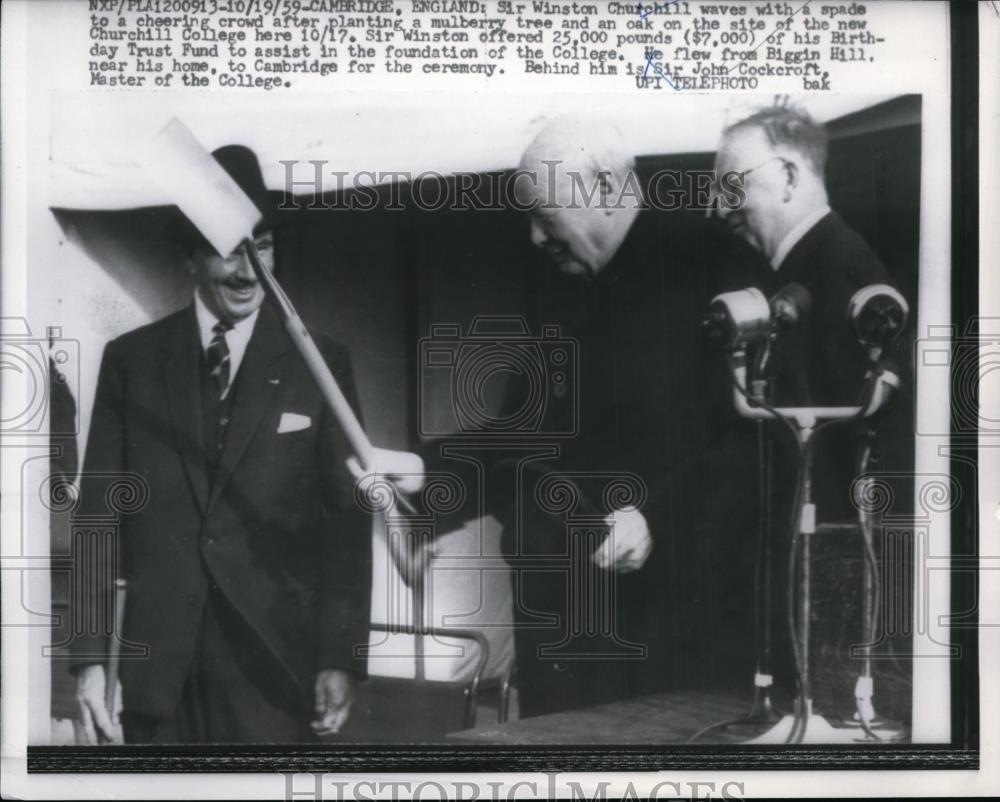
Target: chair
395,709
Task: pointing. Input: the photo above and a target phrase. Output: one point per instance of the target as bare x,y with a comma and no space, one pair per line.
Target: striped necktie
218,358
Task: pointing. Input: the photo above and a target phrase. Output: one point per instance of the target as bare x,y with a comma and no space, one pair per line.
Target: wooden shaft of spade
417,598
114,649
317,366
328,386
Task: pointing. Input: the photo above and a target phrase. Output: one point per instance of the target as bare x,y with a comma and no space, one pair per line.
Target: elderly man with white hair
606,627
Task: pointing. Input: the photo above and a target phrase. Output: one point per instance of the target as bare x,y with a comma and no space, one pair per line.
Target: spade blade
197,184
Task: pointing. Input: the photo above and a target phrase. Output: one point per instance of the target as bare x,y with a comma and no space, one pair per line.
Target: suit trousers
235,692
583,636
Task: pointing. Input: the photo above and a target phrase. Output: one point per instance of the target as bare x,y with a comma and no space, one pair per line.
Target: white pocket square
293,422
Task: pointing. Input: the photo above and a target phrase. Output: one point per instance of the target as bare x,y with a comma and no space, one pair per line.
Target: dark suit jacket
648,402
821,360
278,531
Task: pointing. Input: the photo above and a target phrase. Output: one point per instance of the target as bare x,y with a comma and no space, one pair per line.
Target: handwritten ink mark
654,8
661,73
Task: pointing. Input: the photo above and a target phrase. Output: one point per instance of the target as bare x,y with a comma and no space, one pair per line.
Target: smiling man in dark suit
249,568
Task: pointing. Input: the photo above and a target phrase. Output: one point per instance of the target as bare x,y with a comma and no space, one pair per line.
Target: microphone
877,313
787,307
737,318
790,304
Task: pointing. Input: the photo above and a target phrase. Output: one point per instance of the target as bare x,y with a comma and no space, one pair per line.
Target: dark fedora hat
240,162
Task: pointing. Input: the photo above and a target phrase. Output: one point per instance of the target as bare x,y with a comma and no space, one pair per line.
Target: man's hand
93,725
403,468
334,697
628,545
406,472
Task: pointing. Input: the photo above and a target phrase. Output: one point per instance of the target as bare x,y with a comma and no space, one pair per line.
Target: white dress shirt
237,338
792,238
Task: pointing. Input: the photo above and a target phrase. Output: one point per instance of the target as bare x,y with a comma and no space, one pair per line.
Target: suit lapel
182,379
800,260
258,378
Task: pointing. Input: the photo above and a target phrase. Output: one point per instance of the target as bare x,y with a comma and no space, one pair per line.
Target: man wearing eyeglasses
784,213
777,157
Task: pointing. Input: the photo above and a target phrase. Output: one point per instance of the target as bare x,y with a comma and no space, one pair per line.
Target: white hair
581,143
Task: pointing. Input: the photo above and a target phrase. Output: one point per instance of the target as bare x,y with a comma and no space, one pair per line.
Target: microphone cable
799,727
802,454
761,537
876,586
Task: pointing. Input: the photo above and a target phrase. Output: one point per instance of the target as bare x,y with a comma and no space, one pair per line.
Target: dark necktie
218,358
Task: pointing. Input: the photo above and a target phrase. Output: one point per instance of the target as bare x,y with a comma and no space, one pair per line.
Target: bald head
580,172
580,143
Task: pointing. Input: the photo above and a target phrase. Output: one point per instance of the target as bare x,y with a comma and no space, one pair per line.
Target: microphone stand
805,725
762,710
877,313
875,727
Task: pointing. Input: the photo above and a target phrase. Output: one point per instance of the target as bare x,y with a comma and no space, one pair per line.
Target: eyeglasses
782,159
716,192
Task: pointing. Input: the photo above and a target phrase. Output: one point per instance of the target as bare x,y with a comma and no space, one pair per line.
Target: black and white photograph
496,427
